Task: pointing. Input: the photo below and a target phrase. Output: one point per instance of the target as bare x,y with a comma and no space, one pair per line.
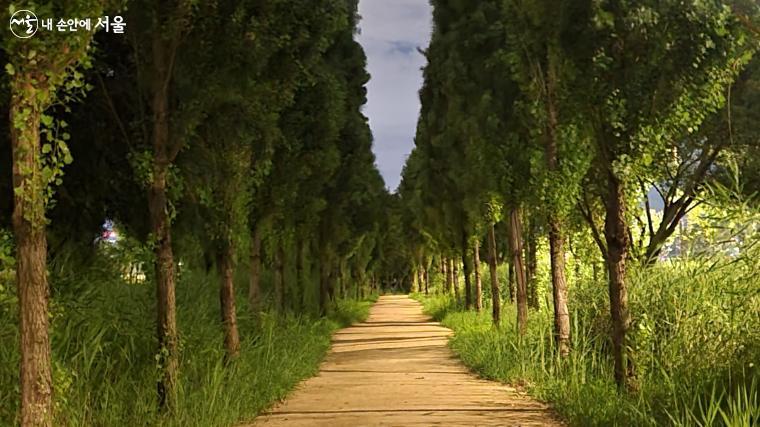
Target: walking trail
396,369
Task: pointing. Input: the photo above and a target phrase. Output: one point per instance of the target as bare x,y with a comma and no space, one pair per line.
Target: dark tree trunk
300,282
165,287
358,284
208,259
515,245
324,283
341,282
476,270
254,285
455,277
31,269
324,275
466,271
279,278
427,281
616,236
227,301
331,285
492,261
158,204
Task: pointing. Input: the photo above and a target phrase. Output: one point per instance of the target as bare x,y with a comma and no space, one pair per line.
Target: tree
217,173
655,71
43,72
538,53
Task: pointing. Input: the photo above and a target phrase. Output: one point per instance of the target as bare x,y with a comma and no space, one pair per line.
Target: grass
104,353
695,337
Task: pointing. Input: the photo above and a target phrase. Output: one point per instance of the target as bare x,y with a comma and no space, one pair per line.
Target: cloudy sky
391,32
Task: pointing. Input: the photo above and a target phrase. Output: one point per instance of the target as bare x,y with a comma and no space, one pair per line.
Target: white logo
23,24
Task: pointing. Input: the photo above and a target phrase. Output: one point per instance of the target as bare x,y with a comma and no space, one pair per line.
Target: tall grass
695,339
104,352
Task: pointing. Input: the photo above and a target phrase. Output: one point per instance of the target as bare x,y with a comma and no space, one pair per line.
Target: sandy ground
395,369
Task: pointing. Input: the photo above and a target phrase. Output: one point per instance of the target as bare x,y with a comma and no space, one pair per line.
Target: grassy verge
104,354
696,334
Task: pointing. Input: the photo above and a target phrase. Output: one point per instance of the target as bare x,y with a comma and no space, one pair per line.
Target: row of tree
561,118
210,131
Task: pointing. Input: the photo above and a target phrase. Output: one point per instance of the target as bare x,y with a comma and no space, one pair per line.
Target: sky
391,31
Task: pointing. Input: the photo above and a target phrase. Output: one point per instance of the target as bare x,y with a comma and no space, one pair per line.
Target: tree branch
112,109
588,216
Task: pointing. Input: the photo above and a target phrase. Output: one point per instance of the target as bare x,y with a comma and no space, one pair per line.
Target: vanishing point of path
396,369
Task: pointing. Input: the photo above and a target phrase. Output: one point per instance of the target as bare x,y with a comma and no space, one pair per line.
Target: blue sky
391,33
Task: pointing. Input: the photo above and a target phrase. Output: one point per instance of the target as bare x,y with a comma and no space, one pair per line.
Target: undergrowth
104,350
695,338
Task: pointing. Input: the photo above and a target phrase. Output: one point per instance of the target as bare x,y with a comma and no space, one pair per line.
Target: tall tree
43,71
516,252
654,71
536,53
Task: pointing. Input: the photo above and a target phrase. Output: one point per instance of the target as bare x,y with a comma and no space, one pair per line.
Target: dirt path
396,369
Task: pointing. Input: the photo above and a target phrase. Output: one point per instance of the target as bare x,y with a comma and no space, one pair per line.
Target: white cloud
391,32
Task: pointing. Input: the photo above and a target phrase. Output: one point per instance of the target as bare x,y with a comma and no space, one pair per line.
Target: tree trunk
559,288
455,277
341,282
254,286
515,245
427,281
31,269
492,261
165,288
616,236
466,271
442,268
158,205
300,282
532,267
358,283
331,285
556,238
511,279
227,301
208,260
324,283
447,273
279,278
478,283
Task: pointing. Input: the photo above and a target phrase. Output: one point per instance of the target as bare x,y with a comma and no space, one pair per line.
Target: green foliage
44,72
679,59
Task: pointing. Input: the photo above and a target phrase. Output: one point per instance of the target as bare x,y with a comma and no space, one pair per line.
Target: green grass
696,338
104,353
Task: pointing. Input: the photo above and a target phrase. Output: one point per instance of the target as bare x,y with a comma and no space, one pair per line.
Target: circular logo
24,24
